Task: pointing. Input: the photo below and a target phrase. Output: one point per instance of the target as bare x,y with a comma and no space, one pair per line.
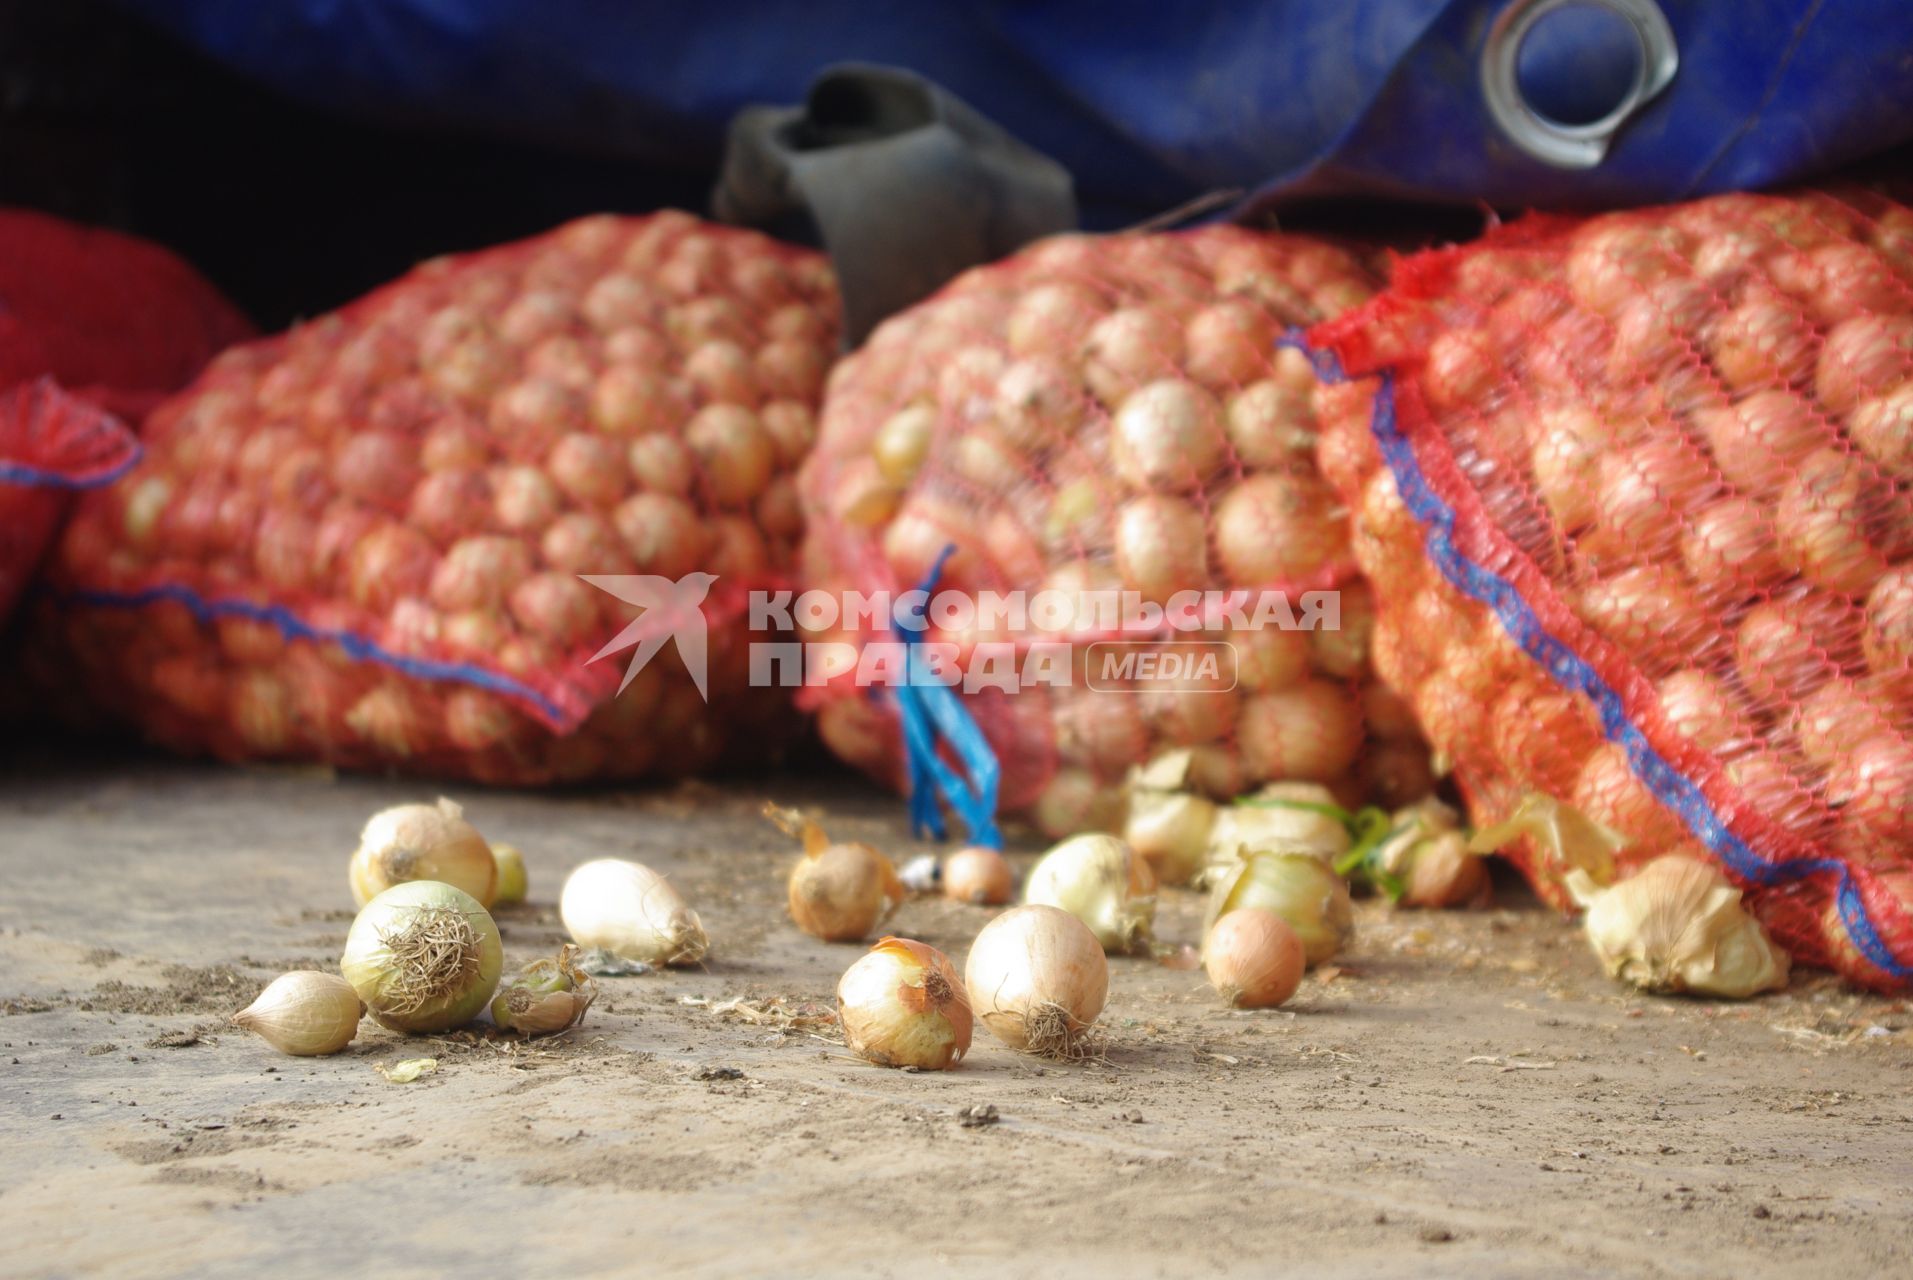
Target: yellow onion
1038,979
423,842
1170,831
630,910
1102,882
1300,888
837,892
512,882
902,1005
1677,925
982,877
547,996
1253,958
304,1013
1287,817
1427,854
424,957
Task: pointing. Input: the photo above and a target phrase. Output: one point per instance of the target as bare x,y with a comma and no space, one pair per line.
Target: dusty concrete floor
1467,1096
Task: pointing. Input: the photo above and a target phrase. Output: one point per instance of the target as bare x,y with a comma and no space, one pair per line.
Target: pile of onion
1112,414
431,473
1685,431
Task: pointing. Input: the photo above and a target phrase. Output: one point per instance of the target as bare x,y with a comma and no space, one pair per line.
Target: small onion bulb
979,876
1300,888
549,995
1254,958
837,892
304,1013
903,1005
1101,881
424,957
630,910
422,842
1038,979
512,882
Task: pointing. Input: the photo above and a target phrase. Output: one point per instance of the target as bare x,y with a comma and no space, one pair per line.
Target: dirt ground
1466,1095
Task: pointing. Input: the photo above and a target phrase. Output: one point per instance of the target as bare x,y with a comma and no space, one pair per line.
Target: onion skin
1253,958
1038,979
423,842
903,1005
981,877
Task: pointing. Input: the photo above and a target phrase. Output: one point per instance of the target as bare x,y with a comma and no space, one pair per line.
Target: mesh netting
1633,498
361,542
92,325
1106,414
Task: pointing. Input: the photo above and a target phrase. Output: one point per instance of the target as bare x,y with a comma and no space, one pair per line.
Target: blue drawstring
928,708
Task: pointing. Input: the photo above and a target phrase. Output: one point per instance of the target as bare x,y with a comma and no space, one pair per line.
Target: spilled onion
1102,882
630,910
1300,888
837,892
424,956
422,842
1038,979
304,1013
903,1005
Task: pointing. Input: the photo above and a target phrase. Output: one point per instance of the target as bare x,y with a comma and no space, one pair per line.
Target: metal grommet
1571,146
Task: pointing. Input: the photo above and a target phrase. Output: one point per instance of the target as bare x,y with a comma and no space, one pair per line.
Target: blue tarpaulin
1148,104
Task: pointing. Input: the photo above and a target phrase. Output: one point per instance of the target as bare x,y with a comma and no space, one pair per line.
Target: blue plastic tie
931,709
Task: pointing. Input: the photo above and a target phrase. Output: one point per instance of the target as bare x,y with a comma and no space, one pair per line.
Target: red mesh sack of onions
95,328
1635,507
1109,414
361,542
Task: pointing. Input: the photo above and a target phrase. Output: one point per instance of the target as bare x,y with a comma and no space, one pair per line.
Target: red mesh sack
1107,413
1634,501
92,325
361,542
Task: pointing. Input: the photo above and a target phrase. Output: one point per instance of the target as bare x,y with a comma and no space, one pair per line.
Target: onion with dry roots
902,1005
423,842
304,1013
837,892
1254,958
423,956
981,877
1038,979
632,911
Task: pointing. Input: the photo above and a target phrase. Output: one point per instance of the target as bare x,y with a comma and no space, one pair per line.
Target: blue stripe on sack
1668,785
293,628
39,478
